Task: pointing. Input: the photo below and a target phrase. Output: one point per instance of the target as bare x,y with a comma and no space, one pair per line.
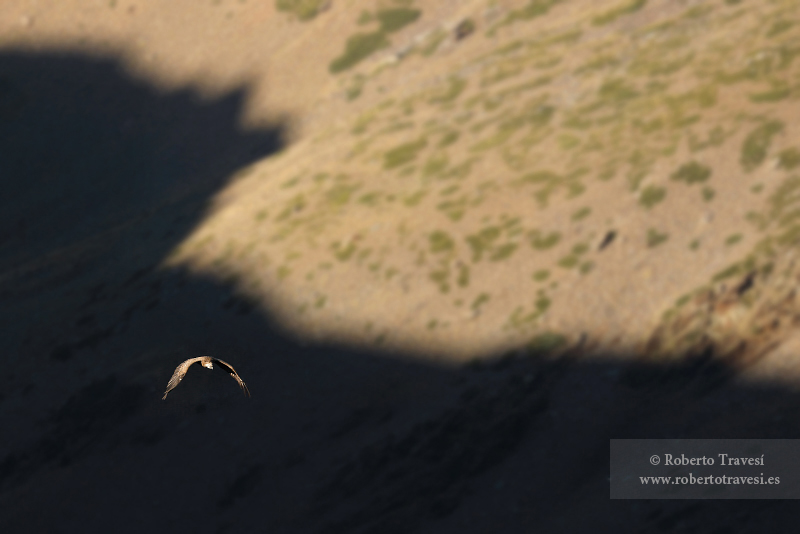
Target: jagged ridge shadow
334,439
87,149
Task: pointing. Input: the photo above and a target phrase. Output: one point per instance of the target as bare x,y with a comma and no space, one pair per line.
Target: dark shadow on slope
102,175
89,155
334,439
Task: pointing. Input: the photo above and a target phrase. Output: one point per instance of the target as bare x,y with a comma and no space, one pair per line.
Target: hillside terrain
439,240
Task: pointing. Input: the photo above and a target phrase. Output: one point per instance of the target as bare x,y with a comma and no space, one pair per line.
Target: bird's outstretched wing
178,375
228,367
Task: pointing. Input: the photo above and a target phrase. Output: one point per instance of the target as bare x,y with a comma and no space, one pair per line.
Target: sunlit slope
569,167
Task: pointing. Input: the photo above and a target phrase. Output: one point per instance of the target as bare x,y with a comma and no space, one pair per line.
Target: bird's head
208,365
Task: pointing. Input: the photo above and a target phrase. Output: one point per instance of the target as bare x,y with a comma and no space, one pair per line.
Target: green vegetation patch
540,241
542,303
780,26
290,182
449,190
655,238
580,248
541,275
415,198
545,343
697,12
535,115
454,209
435,164
733,239
785,198
503,252
448,139
283,271
716,136
302,9
613,14
340,194
294,205
365,17
535,8
370,199
652,195
463,276
606,174
549,182
691,173
480,300
617,92
568,142
737,269
518,319
598,63
783,210
581,213
661,64
354,90
586,267
441,278
789,158
483,241
778,92
392,20
461,170
441,242
358,47
403,154
455,88
343,253
640,165
568,262
756,144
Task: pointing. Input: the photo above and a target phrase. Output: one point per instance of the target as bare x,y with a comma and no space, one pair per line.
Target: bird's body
208,363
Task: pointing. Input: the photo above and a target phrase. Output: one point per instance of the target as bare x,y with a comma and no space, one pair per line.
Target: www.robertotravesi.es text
691,479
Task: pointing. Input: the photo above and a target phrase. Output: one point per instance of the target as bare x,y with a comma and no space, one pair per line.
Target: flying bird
207,362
